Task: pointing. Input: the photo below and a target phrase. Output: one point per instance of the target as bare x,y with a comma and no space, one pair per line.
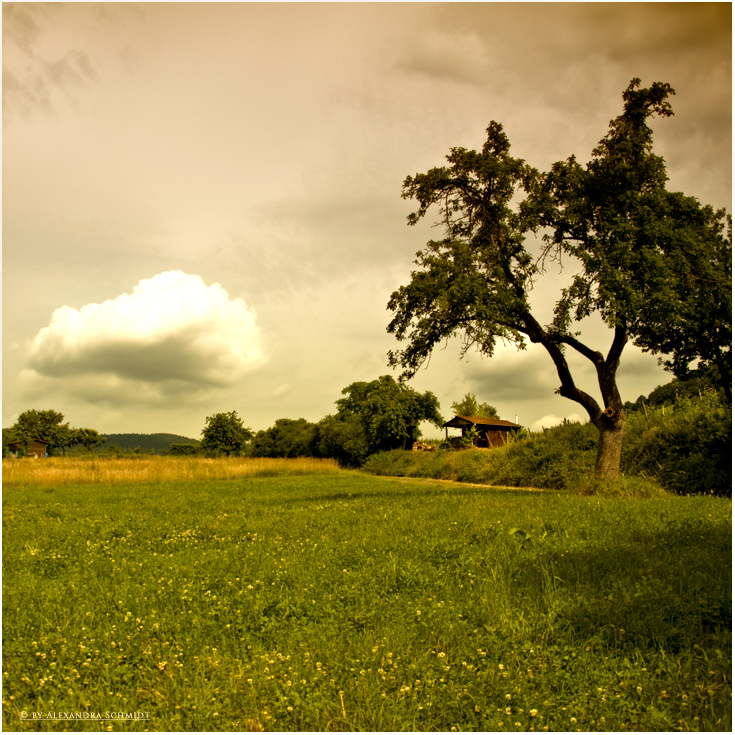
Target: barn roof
461,421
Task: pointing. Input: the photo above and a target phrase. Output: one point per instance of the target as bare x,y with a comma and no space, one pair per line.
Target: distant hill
157,442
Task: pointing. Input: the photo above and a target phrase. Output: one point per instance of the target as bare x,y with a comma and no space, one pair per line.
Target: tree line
49,427
371,417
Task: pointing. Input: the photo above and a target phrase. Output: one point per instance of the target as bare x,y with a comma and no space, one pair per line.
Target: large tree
224,433
611,224
390,412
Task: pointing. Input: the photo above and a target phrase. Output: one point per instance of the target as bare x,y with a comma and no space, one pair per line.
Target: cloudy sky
201,202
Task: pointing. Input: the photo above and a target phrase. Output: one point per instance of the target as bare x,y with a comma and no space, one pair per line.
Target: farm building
37,448
491,432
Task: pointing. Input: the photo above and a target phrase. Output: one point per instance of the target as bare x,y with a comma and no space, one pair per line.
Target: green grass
353,602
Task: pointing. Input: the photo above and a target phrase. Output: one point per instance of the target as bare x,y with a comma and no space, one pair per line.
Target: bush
555,459
687,448
183,450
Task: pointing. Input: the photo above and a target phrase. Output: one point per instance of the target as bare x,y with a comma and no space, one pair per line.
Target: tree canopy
286,438
224,433
469,406
390,413
48,426
628,244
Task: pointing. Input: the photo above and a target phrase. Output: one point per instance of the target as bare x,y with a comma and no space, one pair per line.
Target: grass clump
621,487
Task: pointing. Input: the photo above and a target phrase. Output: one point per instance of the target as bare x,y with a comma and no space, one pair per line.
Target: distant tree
469,406
342,438
628,243
390,412
183,450
696,383
286,438
88,438
224,433
44,425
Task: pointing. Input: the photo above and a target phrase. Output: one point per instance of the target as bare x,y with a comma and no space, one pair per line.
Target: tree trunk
611,425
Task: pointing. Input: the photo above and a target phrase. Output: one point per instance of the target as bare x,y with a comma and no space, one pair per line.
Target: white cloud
550,420
172,335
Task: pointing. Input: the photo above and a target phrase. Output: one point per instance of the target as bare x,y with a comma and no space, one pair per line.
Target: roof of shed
460,421
20,444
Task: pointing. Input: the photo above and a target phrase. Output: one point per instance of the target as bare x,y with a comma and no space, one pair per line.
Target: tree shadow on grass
403,488
664,589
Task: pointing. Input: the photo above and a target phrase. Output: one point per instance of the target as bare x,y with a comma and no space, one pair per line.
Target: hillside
157,442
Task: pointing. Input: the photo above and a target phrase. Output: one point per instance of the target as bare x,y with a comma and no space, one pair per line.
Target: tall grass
55,471
351,602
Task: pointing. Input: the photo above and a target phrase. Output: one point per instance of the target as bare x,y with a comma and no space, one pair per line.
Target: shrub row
684,449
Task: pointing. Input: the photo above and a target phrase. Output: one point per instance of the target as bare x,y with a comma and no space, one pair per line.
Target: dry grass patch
151,469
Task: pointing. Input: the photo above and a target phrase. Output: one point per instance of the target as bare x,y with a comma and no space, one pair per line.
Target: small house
37,448
490,432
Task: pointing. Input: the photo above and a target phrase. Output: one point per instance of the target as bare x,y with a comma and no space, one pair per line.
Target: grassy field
341,601
150,468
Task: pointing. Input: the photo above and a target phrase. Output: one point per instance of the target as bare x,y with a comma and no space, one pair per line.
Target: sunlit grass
55,471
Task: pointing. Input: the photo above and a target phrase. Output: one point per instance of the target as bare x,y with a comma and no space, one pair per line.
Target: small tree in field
640,258
88,438
224,433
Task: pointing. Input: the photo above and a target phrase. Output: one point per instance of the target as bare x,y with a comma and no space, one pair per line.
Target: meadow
335,600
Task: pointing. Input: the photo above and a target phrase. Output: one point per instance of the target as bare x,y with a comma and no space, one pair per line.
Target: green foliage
694,384
342,438
315,603
639,254
684,448
87,438
43,425
469,406
687,448
390,412
556,459
696,325
224,433
286,438
184,450
470,437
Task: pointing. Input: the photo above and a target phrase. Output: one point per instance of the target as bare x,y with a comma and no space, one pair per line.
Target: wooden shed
37,448
492,432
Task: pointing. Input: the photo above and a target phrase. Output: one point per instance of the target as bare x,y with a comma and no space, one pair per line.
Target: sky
202,203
